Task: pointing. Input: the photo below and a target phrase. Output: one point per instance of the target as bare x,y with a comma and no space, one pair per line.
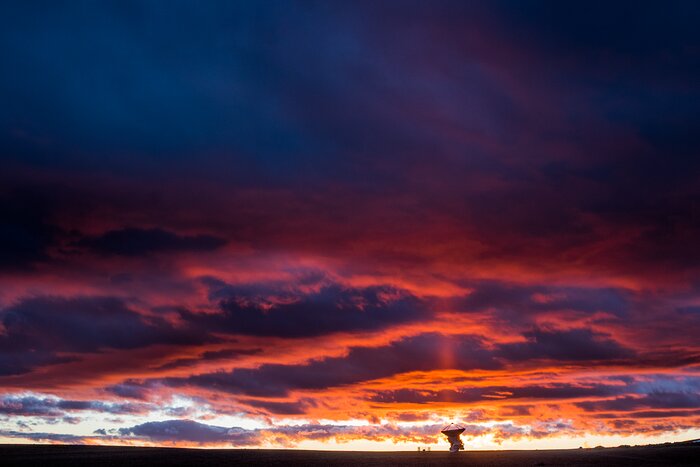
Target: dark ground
55,455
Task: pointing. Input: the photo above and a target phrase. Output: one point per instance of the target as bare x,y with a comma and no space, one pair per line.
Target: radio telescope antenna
452,431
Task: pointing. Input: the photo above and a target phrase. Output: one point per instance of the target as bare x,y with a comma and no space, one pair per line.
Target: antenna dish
452,432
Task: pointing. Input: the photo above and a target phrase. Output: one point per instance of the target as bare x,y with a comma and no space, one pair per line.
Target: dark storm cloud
518,299
30,406
138,242
425,352
188,430
494,393
35,436
333,308
653,400
49,330
209,356
298,407
17,359
654,414
131,389
571,345
128,391
38,330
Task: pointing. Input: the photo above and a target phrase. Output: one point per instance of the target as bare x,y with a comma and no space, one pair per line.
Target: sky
344,224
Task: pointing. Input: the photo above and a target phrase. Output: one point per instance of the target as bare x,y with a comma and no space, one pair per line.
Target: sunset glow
342,225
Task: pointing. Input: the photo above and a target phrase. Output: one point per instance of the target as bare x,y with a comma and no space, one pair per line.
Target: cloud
425,352
129,390
296,407
39,331
549,223
29,406
191,431
570,345
38,436
209,356
491,394
517,299
653,400
130,241
333,308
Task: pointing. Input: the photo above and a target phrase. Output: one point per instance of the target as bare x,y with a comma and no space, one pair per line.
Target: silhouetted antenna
452,431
